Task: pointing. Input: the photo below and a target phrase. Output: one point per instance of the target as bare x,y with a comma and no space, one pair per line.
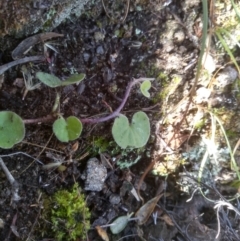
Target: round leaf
145,86
67,130
135,134
73,79
74,127
12,129
60,130
49,79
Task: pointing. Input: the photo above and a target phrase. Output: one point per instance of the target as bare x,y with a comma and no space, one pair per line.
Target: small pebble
227,76
100,50
96,173
114,199
179,36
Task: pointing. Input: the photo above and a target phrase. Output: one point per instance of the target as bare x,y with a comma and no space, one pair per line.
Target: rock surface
22,18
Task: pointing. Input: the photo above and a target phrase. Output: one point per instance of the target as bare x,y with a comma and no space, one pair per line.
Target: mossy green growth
99,144
163,79
70,216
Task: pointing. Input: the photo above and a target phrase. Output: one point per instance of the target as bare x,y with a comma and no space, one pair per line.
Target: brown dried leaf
102,233
167,220
146,210
75,146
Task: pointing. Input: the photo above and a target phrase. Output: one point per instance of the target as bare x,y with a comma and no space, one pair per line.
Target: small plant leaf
145,86
12,129
53,81
167,220
73,79
49,79
135,134
119,224
102,233
67,130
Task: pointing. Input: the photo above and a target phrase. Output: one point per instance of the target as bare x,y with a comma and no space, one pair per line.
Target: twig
23,153
47,118
13,182
7,66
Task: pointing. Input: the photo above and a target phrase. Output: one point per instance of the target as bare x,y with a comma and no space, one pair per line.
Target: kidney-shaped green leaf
67,130
73,79
134,134
145,86
49,79
12,129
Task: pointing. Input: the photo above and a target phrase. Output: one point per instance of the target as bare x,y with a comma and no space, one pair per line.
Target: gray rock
95,175
23,18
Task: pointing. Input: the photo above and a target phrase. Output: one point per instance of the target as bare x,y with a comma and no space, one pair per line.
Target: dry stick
13,182
7,66
47,118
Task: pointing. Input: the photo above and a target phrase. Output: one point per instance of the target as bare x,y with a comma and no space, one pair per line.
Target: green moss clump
100,144
70,216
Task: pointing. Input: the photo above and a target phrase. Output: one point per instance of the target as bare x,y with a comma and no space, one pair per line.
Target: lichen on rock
22,18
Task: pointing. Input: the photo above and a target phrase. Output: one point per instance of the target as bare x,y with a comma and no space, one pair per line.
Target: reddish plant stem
47,118
114,114
117,111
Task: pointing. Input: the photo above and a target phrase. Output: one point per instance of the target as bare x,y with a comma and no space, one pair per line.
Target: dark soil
152,42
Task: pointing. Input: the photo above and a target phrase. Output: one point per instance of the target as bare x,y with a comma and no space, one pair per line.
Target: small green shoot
53,81
67,129
145,86
12,129
135,134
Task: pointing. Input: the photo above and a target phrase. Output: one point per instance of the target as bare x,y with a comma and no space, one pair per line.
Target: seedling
145,86
53,81
135,134
67,130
